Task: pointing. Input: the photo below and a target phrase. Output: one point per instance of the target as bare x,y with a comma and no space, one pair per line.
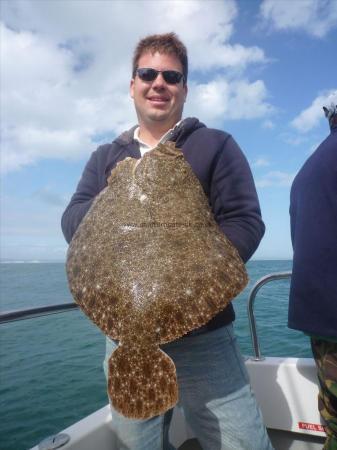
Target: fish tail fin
142,381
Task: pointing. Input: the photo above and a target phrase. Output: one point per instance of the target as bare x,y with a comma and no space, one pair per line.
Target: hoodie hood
178,134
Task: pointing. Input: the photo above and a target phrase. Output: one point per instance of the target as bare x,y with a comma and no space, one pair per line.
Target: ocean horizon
63,261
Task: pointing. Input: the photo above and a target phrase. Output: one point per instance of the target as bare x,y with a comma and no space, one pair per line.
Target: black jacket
313,214
221,168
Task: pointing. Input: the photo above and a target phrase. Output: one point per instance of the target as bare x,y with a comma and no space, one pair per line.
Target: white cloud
315,17
48,111
311,116
294,140
276,179
221,100
96,27
313,147
268,124
64,66
261,162
50,197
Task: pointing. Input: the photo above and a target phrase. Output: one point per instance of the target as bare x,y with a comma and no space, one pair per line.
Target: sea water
51,367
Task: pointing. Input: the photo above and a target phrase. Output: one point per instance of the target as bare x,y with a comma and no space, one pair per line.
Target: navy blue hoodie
313,215
221,168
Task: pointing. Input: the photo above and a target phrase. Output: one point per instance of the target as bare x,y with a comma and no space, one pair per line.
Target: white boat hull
286,389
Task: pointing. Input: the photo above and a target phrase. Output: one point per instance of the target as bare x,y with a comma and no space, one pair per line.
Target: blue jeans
214,392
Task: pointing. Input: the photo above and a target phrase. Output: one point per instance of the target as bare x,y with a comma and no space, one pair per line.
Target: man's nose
159,81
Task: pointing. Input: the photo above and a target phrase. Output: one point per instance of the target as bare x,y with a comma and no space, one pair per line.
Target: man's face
157,102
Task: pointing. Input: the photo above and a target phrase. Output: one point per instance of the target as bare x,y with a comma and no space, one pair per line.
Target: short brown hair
167,43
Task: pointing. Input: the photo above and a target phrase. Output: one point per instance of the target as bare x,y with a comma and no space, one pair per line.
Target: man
313,292
213,383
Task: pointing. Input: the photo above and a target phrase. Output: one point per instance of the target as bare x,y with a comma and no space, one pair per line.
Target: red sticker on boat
311,426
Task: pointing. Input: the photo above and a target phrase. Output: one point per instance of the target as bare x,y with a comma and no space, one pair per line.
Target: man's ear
132,88
186,91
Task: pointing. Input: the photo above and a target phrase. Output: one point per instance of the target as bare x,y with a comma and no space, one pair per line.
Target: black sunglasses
170,76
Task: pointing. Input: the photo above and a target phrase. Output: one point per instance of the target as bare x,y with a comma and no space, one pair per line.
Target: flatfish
148,264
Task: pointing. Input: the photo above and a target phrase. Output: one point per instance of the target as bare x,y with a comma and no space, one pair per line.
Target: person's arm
87,189
234,200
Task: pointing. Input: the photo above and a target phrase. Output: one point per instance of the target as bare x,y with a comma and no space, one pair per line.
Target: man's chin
158,117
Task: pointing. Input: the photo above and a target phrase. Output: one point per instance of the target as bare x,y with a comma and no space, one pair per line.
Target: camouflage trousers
325,354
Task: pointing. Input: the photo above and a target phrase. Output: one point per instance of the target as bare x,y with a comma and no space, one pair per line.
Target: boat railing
39,311
250,309
22,314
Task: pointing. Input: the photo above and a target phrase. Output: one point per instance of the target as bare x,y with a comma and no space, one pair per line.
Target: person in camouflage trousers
325,354
313,289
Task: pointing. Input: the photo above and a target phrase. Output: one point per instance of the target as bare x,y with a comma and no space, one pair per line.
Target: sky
259,70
